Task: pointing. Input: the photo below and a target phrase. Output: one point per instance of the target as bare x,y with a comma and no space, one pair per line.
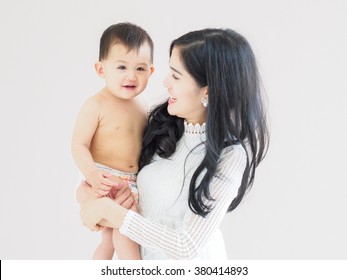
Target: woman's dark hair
223,60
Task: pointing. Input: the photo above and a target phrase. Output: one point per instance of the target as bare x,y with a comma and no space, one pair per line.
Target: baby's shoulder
93,101
91,106
102,104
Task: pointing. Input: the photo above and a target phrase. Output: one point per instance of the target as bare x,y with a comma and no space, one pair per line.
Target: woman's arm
184,242
103,211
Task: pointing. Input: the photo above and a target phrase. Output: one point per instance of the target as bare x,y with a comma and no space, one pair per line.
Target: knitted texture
165,227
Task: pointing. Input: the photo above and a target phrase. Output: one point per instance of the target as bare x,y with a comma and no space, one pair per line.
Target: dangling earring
204,101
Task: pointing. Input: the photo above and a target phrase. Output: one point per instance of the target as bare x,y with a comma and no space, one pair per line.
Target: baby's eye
121,67
141,69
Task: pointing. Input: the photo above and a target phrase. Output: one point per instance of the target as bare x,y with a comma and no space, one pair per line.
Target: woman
200,150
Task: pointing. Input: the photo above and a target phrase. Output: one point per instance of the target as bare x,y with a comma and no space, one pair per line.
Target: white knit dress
165,227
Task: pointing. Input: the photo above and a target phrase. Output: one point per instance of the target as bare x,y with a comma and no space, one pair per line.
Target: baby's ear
99,68
152,69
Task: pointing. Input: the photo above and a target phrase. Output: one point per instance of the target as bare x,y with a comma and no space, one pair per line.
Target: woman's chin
170,110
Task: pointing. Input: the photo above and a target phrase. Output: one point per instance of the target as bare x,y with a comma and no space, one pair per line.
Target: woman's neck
194,128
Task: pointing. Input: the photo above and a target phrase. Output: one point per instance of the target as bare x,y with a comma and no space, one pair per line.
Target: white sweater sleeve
186,242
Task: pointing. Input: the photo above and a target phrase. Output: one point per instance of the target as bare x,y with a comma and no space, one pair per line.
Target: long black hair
222,60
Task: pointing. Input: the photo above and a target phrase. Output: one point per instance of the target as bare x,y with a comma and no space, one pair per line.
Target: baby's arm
86,125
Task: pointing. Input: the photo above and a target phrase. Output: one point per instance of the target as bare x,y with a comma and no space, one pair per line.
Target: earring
204,101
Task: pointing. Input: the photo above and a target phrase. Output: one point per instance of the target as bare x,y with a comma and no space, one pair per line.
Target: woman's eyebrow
175,70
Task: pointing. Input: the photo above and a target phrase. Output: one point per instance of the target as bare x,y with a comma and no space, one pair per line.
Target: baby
107,138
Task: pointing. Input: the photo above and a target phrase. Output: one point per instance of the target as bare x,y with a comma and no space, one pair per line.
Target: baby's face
127,72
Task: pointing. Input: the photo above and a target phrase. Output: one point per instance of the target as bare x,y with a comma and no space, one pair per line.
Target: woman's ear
99,68
204,92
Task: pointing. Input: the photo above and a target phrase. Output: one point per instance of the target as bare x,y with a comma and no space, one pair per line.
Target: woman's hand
104,212
124,197
93,212
85,192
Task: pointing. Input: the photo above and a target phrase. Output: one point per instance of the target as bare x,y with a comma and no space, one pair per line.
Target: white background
297,208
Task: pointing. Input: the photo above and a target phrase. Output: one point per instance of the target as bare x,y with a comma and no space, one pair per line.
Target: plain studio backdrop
297,207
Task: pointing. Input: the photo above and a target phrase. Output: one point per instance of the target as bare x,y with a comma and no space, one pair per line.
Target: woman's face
185,94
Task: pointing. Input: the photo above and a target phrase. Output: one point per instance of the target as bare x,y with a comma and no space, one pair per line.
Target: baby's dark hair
127,34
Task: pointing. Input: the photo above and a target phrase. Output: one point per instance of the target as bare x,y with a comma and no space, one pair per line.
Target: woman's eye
174,76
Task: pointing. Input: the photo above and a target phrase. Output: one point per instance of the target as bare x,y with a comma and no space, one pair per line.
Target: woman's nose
165,82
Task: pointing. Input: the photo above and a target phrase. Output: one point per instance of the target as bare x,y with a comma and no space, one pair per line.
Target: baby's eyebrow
142,64
125,62
121,61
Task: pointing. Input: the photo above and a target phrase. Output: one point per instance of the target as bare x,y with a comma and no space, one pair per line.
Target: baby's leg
126,248
105,250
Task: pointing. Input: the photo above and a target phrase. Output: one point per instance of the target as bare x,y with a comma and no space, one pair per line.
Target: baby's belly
121,157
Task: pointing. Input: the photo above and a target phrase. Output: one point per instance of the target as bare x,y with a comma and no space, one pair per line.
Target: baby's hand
101,183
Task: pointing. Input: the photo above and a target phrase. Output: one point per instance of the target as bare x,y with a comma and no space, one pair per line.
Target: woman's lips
171,100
